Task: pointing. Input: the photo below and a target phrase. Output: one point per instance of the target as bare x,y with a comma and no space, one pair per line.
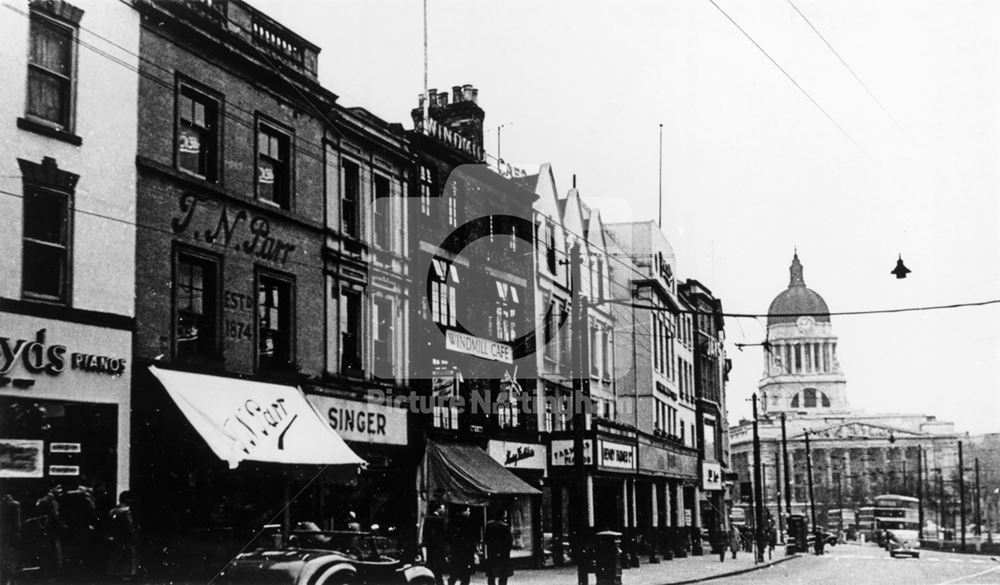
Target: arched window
824,399
809,398
795,401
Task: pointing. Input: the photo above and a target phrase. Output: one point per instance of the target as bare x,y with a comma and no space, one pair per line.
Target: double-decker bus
840,519
889,512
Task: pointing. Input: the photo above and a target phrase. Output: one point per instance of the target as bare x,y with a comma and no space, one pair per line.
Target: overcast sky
751,168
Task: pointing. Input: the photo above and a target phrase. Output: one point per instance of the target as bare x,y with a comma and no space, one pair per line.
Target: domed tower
801,371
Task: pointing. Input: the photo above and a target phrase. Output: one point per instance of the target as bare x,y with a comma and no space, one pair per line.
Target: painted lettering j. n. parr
257,241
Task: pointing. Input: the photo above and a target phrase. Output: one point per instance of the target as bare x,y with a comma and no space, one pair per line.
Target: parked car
317,557
903,542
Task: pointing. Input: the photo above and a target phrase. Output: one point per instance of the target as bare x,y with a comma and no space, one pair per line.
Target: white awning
256,421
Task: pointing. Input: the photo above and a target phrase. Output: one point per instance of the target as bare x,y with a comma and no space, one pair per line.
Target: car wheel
421,581
892,554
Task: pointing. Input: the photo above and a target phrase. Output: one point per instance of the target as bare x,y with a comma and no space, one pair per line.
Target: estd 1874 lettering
238,330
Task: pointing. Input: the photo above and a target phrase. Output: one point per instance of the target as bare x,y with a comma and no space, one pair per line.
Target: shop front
610,460
712,502
667,474
223,457
64,427
461,474
528,462
383,498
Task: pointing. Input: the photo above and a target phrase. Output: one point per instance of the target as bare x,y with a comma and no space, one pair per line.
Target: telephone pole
784,463
920,490
777,502
961,491
581,404
758,495
812,498
979,517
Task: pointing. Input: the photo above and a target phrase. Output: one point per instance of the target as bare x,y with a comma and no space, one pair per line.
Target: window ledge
46,130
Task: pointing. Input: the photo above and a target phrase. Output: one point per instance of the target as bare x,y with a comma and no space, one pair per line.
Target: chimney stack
467,93
432,99
456,94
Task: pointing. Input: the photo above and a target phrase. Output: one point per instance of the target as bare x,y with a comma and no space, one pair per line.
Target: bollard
607,558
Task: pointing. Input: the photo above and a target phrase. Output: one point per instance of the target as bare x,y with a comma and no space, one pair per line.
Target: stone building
855,455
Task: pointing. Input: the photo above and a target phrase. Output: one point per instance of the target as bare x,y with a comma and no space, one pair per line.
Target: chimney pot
467,92
443,99
432,97
456,93
475,96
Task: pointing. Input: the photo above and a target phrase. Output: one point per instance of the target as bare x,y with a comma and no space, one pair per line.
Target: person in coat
463,540
735,540
499,541
435,542
124,533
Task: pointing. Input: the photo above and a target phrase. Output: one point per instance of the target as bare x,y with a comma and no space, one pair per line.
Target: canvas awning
460,473
244,420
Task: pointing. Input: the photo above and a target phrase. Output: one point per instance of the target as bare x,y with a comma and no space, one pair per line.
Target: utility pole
961,491
659,222
581,404
812,498
940,502
758,488
777,484
784,463
979,517
920,491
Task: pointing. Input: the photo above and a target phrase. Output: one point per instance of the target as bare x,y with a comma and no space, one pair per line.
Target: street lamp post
961,491
920,492
758,487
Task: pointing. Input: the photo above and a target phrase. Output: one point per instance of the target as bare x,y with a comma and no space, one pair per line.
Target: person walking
499,542
435,542
10,537
55,528
735,540
721,542
123,562
462,544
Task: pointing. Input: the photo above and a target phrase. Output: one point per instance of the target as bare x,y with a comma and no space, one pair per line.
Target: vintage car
902,542
313,557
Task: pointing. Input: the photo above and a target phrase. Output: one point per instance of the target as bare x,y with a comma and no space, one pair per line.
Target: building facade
67,193
854,455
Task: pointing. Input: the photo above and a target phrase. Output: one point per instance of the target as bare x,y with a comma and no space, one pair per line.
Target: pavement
690,569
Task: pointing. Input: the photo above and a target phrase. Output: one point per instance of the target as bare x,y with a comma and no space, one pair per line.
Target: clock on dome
805,323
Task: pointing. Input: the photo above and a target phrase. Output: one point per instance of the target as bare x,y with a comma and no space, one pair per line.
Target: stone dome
796,300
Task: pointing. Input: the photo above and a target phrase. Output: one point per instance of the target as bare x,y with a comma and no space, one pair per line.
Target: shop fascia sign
616,455
562,452
711,475
481,347
518,455
37,356
362,422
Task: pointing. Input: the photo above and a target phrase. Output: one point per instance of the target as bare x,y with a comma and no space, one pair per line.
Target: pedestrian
463,542
721,541
735,540
435,542
10,535
818,542
499,542
124,533
54,528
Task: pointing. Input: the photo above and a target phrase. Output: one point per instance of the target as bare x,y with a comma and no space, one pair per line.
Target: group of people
452,544
63,534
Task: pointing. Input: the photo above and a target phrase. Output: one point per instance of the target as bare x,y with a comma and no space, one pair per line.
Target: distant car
902,542
325,558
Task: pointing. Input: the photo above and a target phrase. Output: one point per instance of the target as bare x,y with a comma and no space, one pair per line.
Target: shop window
520,514
51,72
426,189
273,166
383,326
350,332
274,322
197,133
196,305
382,212
351,199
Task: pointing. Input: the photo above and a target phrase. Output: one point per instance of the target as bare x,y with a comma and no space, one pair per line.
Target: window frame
380,303
261,275
203,257
286,138
68,125
214,168
383,227
344,317
426,183
66,289
352,228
